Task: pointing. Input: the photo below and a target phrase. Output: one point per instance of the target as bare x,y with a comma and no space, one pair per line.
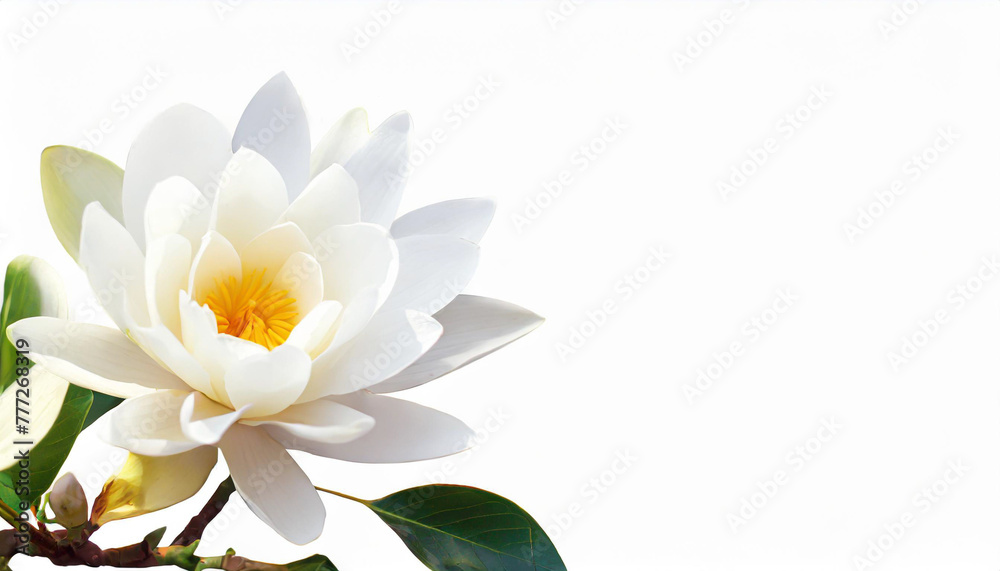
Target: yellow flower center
253,310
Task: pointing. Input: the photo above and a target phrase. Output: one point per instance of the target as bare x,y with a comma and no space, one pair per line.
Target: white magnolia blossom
266,297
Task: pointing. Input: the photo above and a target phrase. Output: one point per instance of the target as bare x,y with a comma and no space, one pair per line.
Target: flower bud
68,501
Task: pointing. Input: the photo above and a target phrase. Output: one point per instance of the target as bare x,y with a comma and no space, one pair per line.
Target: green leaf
457,528
50,452
31,288
71,179
102,404
314,563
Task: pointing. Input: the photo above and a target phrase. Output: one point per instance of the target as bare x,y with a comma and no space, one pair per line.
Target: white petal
71,179
403,432
319,421
285,500
50,390
466,218
206,421
432,271
182,141
92,356
355,258
250,200
380,169
268,383
168,263
473,328
347,135
274,124
270,250
316,330
114,265
389,344
176,206
162,345
302,278
356,315
216,260
148,425
330,199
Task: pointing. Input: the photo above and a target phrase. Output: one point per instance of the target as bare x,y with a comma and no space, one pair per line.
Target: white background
894,74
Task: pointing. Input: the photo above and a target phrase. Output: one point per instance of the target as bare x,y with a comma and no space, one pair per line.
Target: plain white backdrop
765,237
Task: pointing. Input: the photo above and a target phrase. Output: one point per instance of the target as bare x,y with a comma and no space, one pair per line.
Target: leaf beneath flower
452,528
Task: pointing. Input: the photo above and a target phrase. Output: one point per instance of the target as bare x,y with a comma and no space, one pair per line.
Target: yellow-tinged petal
146,484
71,179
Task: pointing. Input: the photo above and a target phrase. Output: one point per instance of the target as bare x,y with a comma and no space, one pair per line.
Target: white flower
267,298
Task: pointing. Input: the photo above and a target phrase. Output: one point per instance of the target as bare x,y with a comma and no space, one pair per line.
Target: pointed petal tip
400,121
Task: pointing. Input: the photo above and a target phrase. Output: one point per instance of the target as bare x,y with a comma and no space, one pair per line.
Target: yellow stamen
251,309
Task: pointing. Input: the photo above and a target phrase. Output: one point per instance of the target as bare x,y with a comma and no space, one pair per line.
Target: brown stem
196,527
61,549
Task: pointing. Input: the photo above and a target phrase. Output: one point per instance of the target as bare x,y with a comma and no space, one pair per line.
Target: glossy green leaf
457,528
71,179
49,453
314,563
102,404
31,288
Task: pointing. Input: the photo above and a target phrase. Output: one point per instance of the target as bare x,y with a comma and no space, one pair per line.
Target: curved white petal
356,314
347,135
165,348
206,421
93,357
355,258
250,200
274,124
269,251
71,179
115,266
182,141
473,328
403,432
465,218
381,167
149,425
389,344
168,262
50,390
432,271
176,206
330,199
302,278
315,331
273,485
216,260
319,421
268,383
